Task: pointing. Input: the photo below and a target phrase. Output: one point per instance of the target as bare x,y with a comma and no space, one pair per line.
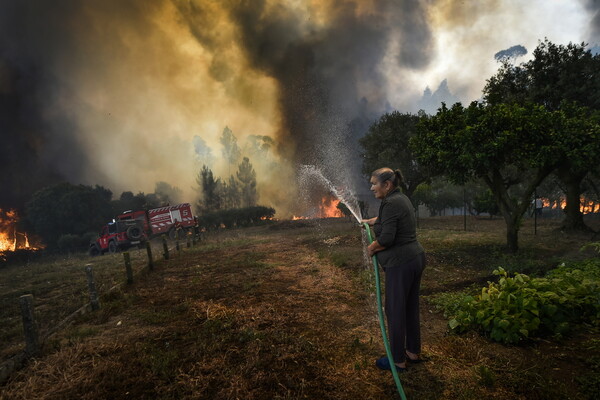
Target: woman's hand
373,248
370,221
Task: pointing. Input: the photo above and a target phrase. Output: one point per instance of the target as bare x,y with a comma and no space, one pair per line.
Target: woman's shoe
384,364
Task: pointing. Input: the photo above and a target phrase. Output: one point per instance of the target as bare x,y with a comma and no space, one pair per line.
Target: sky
127,93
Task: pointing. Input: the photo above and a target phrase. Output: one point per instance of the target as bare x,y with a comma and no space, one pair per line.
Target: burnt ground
287,312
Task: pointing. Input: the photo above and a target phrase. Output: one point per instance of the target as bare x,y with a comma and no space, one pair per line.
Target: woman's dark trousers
402,307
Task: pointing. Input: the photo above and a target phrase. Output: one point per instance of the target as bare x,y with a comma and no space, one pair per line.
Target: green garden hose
386,343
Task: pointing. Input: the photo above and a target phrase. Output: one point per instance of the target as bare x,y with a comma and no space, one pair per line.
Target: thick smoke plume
127,93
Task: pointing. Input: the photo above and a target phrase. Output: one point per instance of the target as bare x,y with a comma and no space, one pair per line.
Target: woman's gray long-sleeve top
396,230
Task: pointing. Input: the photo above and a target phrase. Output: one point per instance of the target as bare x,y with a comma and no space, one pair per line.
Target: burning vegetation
10,238
327,208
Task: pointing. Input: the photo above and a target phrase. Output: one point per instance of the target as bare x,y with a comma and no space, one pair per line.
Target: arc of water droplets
345,195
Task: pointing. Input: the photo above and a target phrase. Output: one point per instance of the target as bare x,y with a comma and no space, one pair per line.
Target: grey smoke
431,101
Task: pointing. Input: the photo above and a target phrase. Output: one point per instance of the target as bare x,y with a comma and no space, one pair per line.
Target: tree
387,145
202,151
438,196
247,177
167,194
484,202
560,78
231,150
507,145
68,209
258,146
230,193
209,189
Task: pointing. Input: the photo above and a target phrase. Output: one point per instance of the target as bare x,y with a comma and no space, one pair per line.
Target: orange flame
586,206
328,208
9,236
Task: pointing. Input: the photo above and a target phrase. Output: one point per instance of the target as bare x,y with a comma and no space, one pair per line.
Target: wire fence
40,297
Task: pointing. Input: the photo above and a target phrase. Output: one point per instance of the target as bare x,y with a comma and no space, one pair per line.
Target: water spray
344,195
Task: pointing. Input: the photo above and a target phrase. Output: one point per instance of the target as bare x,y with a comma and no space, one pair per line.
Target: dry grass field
286,311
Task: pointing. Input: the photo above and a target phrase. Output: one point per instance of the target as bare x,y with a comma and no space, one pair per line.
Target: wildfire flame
9,236
327,208
586,206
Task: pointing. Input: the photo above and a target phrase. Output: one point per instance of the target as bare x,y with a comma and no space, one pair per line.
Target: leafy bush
520,307
71,243
236,217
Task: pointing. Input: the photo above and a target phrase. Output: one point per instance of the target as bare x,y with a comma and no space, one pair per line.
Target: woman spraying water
403,259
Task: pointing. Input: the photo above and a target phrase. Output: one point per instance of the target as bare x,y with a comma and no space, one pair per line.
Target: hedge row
236,217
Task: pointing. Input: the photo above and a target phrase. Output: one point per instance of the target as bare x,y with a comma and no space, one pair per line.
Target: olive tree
561,78
387,145
509,146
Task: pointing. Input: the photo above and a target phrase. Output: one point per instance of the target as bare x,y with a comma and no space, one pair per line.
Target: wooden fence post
32,341
165,247
149,251
187,241
127,259
92,287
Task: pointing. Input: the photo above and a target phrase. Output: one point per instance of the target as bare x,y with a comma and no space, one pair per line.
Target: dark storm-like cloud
319,70
32,152
593,8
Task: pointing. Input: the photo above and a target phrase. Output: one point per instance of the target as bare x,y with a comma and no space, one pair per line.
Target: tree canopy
509,146
565,78
68,209
387,145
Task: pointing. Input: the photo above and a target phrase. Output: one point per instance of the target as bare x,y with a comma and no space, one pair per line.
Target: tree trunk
512,236
573,217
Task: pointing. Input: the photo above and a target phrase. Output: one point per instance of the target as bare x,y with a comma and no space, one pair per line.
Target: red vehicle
116,236
168,220
134,227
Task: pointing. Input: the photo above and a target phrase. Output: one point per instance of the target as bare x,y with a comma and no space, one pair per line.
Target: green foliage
68,209
520,307
72,243
129,201
247,177
386,145
563,79
508,146
556,73
449,302
231,151
209,189
484,202
217,194
438,195
236,217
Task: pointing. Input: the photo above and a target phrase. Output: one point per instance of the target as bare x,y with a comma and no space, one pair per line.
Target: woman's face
379,189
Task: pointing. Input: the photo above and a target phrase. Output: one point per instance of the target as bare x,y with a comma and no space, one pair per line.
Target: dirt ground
287,312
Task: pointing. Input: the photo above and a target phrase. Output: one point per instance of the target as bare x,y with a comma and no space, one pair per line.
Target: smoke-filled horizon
127,93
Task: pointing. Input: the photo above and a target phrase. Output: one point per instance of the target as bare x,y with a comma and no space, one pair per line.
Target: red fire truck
134,227
168,219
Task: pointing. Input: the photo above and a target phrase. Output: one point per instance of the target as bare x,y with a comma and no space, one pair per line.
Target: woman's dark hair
386,174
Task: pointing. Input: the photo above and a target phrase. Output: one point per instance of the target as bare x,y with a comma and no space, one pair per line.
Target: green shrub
71,243
237,217
520,307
